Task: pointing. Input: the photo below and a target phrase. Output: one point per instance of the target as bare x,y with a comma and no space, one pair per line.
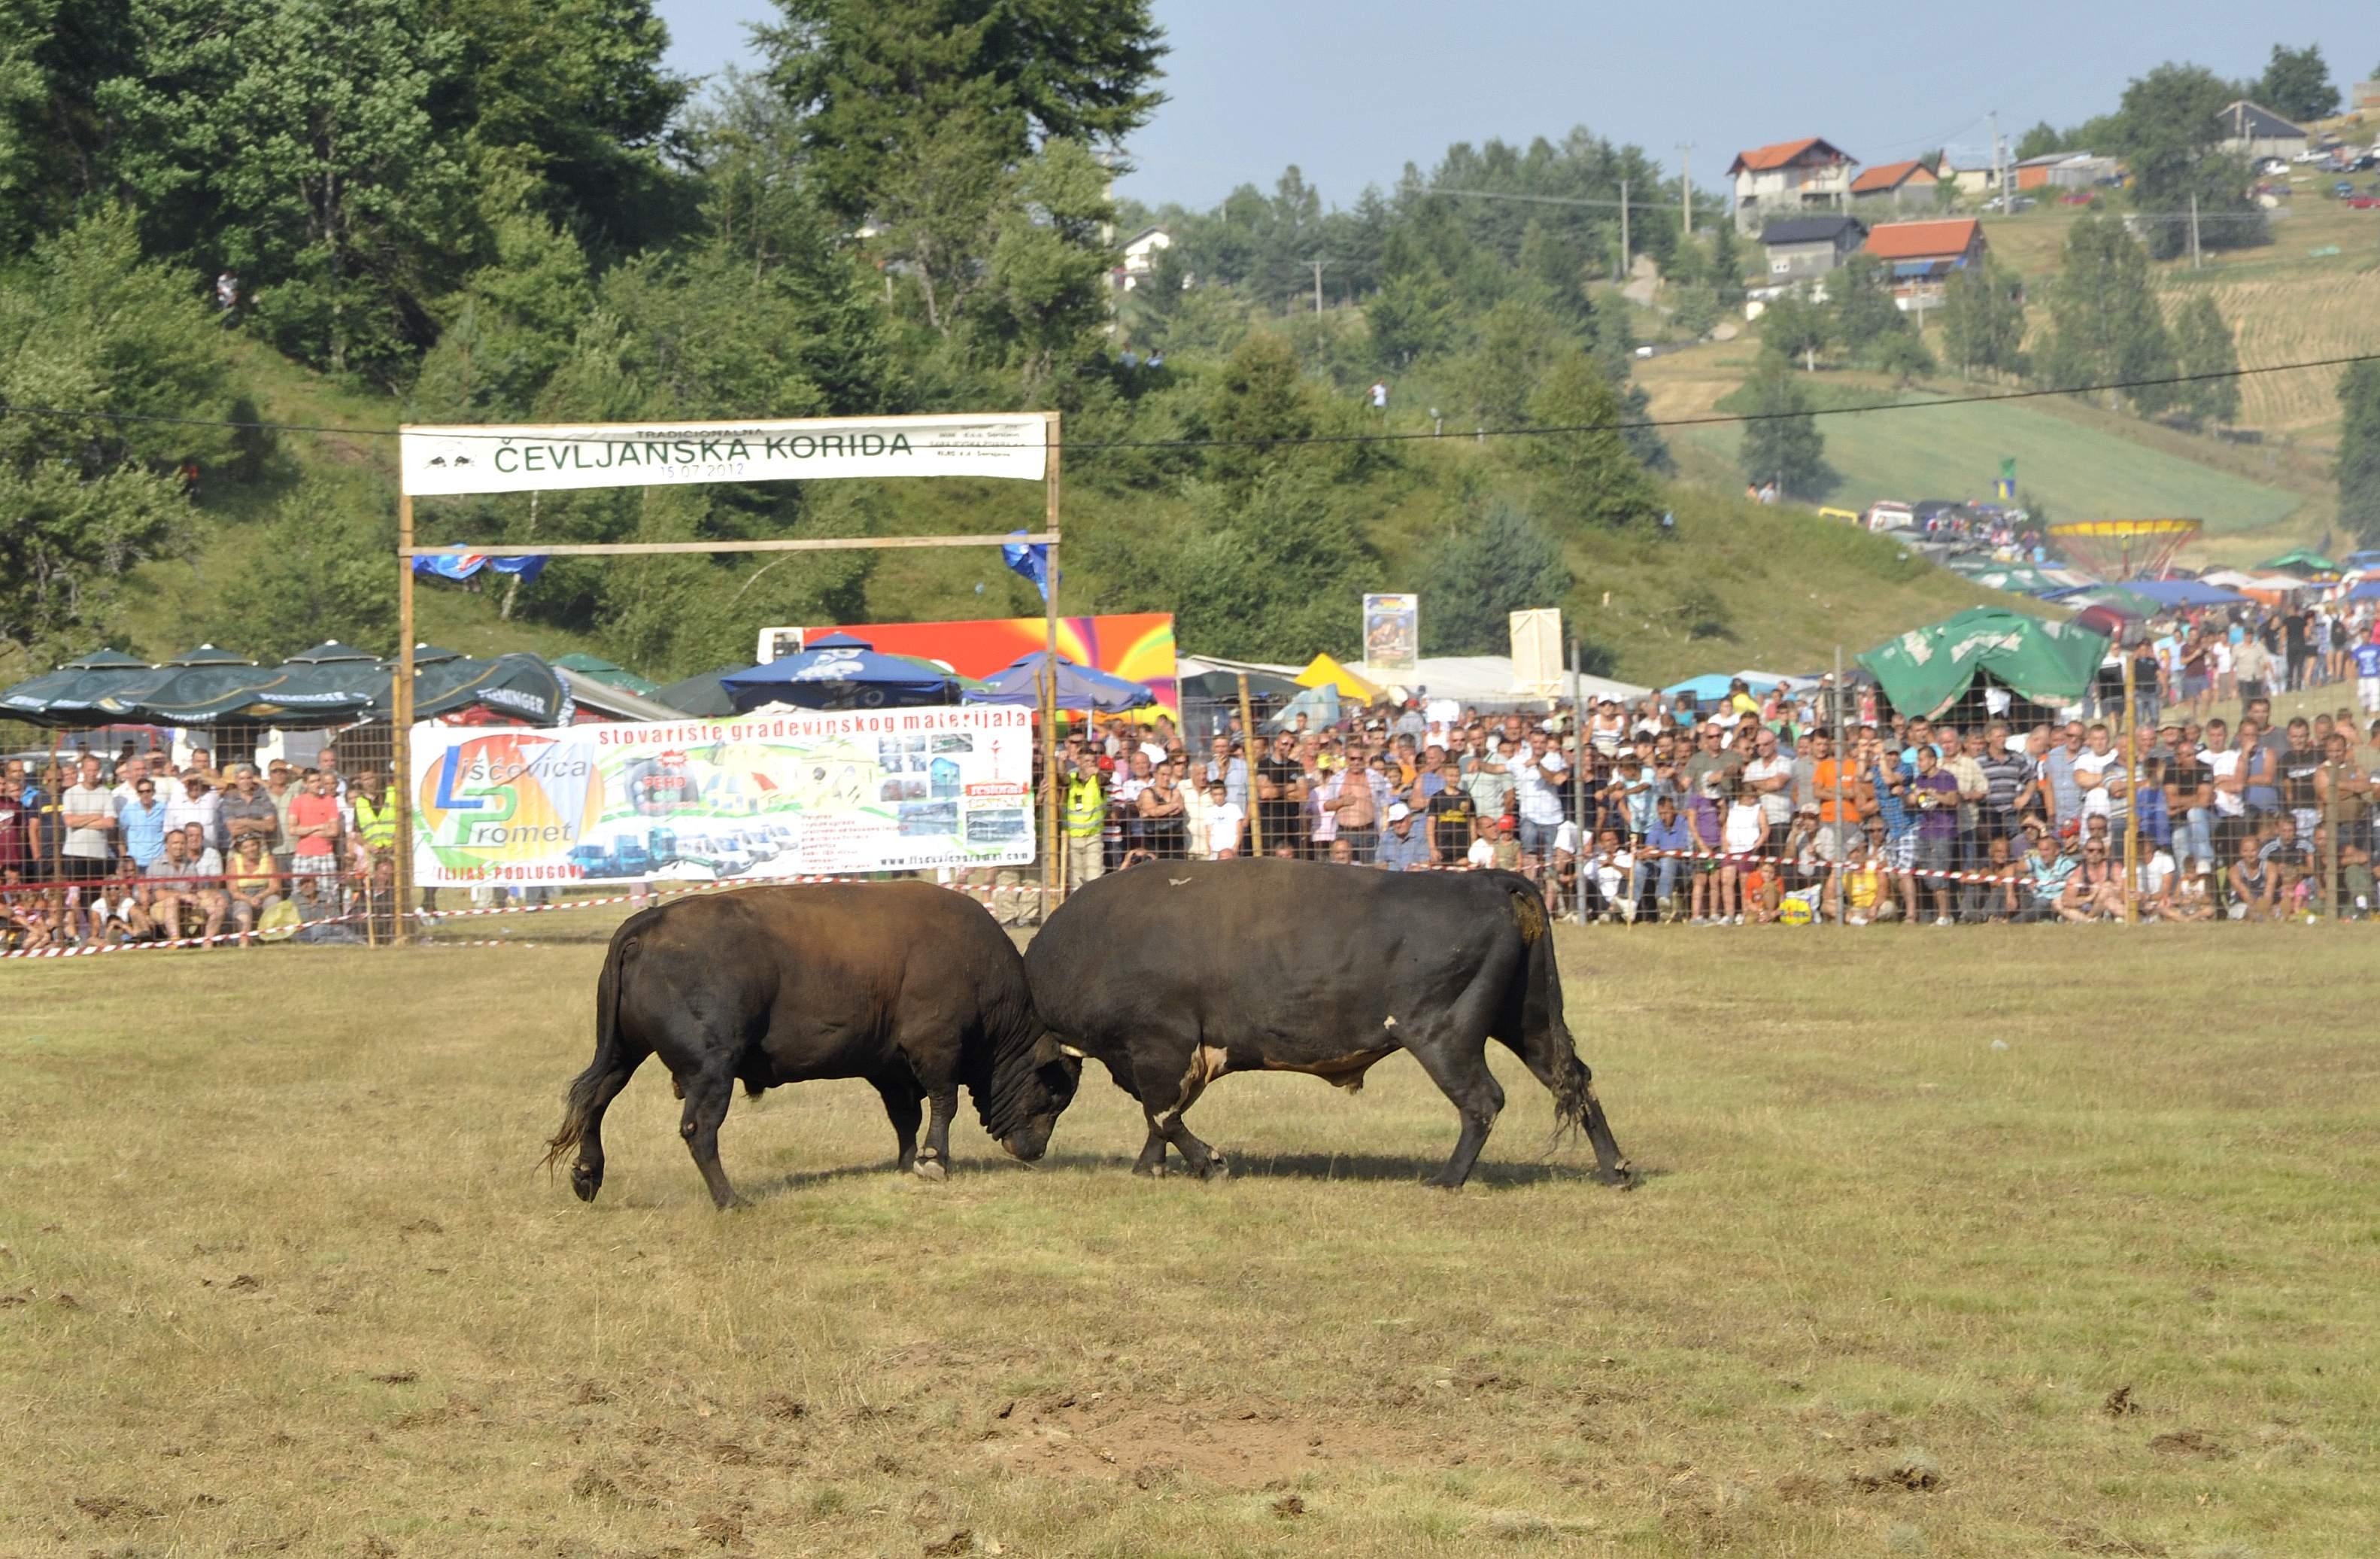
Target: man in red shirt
315,820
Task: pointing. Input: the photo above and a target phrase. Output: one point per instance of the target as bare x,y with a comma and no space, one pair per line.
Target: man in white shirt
1537,773
87,810
2100,776
196,803
1770,775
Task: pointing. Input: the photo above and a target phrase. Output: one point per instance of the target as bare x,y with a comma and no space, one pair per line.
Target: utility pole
1622,277
2000,178
2193,230
1317,265
1686,182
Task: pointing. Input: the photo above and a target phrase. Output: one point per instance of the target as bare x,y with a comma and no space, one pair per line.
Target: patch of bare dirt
2191,1443
1116,1435
960,1542
1289,1507
2081,1537
2120,1403
1801,1488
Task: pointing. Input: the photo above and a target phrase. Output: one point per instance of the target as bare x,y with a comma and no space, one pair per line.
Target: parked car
2362,202
1887,515
2343,189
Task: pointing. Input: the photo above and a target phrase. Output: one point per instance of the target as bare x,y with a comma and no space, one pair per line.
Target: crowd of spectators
1747,812
98,852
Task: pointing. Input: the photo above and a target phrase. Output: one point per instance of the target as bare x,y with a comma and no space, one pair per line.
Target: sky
1352,92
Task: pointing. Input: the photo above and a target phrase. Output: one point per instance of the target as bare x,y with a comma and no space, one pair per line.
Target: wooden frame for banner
1053,874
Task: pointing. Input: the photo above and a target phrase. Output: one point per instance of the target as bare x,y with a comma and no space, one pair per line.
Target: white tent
1470,680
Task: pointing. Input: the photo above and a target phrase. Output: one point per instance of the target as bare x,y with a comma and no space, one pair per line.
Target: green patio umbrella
1925,670
608,673
2300,560
70,695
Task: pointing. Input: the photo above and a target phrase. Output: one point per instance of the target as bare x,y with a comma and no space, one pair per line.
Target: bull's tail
1545,1039
586,1093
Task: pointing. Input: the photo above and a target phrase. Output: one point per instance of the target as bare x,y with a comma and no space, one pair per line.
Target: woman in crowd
253,884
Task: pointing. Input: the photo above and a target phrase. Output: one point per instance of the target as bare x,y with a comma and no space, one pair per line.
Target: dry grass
275,1275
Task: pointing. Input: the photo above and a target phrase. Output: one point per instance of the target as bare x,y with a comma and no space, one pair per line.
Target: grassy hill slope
1734,584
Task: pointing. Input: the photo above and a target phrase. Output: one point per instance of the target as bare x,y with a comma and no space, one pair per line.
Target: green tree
2039,141
880,79
1598,475
2166,131
1983,321
1046,281
1259,396
2203,345
1487,567
1859,295
2359,451
1792,326
2105,324
1904,354
321,570
295,141
85,324
1412,316
2297,84
1726,267
1517,342
1782,443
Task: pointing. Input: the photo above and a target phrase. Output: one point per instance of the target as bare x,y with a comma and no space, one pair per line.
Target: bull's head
1040,1098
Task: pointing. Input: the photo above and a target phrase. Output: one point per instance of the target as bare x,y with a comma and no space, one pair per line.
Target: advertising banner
1391,633
1137,646
703,800
1537,651
544,459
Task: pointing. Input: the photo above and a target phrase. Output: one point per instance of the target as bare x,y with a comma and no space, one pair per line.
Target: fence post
2127,758
1248,759
1842,844
1578,772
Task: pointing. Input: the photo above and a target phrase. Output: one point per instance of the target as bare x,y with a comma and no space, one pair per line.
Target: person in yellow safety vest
375,817
1087,817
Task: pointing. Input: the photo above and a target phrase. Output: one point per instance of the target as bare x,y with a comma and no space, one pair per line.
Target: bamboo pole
1248,764
1053,869
400,703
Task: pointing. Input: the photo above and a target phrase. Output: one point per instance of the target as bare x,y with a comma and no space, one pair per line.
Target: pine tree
1783,444
1983,321
1485,569
2104,325
2203,345
2359,451
1599,478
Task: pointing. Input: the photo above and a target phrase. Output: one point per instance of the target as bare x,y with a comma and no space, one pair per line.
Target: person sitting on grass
2193,898
2046,869
1861,886
2095,890
114,916
251,886
2252,884
1998,896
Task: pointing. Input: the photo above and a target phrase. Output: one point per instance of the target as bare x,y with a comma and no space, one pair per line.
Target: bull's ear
1045,1050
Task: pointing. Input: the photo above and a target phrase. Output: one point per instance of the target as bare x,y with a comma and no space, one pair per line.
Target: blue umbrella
837,672
1079,687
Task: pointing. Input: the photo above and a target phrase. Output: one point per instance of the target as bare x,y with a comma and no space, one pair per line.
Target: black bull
910,986
1173,975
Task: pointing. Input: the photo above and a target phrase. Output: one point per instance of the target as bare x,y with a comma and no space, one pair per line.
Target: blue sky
1352,92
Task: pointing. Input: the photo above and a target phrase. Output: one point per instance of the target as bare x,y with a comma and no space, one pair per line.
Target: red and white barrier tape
86,950
978,889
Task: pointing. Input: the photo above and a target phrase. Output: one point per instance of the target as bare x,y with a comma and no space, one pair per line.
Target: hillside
1734,585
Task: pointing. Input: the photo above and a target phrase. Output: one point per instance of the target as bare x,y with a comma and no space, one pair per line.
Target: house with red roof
1894,186
1790,178
1920,256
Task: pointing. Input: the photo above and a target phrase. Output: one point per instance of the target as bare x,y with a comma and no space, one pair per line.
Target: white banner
510,459
705,800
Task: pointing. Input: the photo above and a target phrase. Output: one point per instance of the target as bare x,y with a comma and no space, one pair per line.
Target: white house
1790,179
1140,255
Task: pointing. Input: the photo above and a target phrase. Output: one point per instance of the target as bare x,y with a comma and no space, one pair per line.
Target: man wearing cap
1403,846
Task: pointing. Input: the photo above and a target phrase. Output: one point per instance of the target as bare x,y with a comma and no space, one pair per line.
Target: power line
1095,446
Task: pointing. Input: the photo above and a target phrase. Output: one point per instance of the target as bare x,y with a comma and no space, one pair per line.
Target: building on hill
2064,170
1895,185
1790,179
2252,132
1802,248
1921,255
1973,183
1140,252
2363,97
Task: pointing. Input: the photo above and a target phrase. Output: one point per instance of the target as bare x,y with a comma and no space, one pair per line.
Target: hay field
2294,316
276,1276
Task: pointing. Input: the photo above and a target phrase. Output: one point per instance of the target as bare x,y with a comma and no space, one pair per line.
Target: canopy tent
1926,670
2024,579
2125,549
703,694
329,685
2367,590
595,668
1713,685
2304,561
1320,705
594,701
840,672
1223,687
1079,687
2183,593
1324,671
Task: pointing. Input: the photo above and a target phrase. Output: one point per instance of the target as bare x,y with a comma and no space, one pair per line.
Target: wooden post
400,705
1578,771
1248,759
1053,854
2128,758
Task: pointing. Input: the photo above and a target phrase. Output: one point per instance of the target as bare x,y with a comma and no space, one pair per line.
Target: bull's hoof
928,1169
1441,1181
1621,1176
1215,1169
1150,1171
585,1182
736,1203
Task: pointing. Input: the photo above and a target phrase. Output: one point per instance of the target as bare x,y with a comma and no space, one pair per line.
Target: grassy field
2066,1247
